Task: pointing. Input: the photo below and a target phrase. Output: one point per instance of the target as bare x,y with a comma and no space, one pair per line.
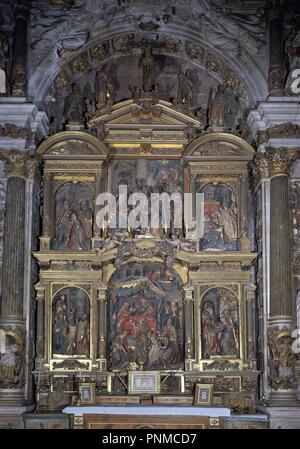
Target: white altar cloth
148,410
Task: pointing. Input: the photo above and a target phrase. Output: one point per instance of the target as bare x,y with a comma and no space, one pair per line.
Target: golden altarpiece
110,302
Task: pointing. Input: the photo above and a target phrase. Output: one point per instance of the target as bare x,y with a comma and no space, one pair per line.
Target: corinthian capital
260,168
15,164
279,161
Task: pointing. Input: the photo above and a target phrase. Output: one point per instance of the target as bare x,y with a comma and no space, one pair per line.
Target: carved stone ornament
9,130
260,168
279,161
70,364
275,80
284,130
282,359
15,164
221,365
12,359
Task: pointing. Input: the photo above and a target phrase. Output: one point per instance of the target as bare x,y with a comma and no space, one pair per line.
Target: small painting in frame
203,395
145,382
87,394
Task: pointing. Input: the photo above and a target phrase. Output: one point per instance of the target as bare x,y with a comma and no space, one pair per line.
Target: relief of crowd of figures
146,317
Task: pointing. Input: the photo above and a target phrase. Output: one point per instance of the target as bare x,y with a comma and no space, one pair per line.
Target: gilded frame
208,389
197,324
146,375
80,358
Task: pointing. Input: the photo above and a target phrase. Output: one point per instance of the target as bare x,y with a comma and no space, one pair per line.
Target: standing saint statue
74,107
104,91
185,89
218,107
146,62
3,63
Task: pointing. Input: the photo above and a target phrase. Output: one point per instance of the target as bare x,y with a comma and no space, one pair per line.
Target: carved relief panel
73,217
221,221
219,317
145,320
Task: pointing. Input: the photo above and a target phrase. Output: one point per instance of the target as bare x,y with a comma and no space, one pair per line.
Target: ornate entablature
110,301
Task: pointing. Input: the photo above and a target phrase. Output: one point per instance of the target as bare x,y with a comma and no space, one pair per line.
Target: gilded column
47,204
102,300
276,73
189,326
96,208
250,298
19,68
193,189
40,326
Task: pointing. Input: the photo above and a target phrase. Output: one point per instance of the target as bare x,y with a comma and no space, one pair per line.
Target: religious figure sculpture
12,364
218,107
74,218
146,62
185,90
219,328
220,218
145,318
282,360
73,106
105,91
292,49
232,32
84,215
90,108
228,220
3,63
71,333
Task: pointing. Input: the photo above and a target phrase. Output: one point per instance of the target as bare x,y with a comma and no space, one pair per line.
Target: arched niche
71,323
145,317
118,40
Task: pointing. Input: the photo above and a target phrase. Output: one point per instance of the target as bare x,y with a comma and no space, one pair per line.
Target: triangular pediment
143,113
144,128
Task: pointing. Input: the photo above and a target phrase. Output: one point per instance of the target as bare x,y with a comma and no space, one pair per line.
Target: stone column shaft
280,236
14,241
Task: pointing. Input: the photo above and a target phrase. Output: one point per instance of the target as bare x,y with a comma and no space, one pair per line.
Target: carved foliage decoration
71,323
219,323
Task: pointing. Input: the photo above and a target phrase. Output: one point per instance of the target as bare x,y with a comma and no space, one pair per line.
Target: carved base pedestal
283,417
